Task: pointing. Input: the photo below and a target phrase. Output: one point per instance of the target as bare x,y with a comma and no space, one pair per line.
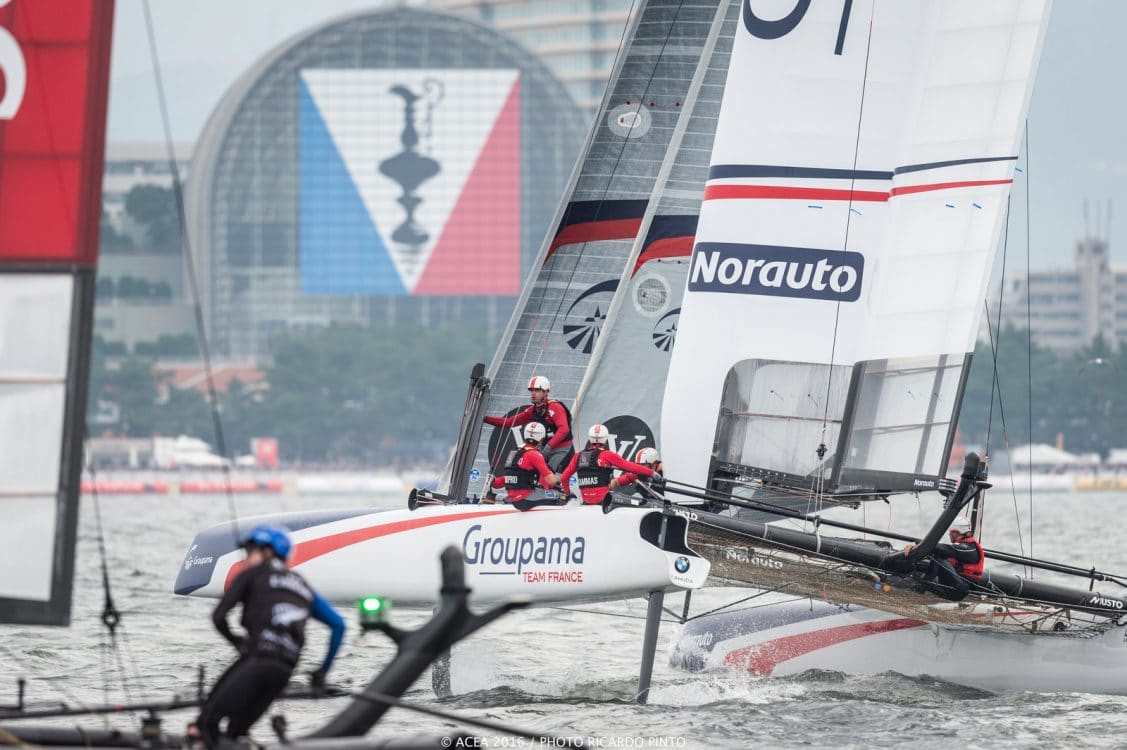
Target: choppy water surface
562,672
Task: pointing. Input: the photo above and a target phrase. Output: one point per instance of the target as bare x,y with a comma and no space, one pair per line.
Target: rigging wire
197,307
1028,337
1002,416
818,484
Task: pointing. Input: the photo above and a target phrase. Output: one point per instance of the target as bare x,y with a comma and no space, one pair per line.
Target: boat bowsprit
547,555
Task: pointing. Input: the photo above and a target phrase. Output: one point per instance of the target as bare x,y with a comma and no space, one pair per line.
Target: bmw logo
682,564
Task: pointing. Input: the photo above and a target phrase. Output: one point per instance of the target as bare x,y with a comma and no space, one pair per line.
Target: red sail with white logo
54,57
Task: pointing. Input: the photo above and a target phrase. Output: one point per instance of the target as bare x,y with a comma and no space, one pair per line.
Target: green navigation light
373,611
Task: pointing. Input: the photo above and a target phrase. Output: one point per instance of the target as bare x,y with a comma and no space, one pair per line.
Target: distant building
395,167
129,164
1066,310
577,39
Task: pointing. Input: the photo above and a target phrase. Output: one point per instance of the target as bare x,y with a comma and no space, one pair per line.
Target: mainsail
609,204
54,55
626,378
856,194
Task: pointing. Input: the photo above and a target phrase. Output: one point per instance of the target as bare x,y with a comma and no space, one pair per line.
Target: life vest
973,571
587,470
540,415
517,478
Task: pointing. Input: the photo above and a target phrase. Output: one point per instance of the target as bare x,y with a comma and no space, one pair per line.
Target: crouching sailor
594,466
527,478
953,567
276,603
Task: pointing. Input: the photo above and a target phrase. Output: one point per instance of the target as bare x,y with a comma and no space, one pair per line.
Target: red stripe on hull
762,658
313,548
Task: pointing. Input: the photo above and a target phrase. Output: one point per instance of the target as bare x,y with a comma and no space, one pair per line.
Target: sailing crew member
651,459
276,603
527,477
552,414
595,465
952,565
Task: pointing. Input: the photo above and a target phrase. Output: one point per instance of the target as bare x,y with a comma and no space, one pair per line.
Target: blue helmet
274,537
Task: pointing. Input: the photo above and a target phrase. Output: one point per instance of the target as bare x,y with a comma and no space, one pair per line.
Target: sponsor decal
191,560
665,330
14,70
628,435
629,120
1102,601
539,559
584,319
685,514
776,271
285,614
475,474
748,556
682,564
930,484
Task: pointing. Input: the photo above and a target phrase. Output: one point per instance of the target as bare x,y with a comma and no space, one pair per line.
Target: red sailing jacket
552,414
530,461
594,494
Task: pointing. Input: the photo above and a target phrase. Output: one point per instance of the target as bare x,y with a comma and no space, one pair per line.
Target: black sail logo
584,319
665,330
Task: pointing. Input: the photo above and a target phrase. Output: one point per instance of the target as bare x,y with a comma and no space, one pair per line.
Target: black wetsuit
276,603
941,577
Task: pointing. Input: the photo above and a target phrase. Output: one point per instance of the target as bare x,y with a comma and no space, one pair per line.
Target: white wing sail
859,178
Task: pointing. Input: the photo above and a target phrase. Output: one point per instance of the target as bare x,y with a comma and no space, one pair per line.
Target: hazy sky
1077,146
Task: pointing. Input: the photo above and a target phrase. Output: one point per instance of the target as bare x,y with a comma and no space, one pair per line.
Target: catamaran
773,255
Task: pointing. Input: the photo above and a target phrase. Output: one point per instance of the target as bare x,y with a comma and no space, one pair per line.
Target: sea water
567,672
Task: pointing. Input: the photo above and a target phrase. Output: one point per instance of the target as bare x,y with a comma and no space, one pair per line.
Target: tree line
365,395
346,394
1029,393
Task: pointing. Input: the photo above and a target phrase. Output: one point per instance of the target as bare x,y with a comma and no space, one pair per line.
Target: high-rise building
396,167
1066,310
577,39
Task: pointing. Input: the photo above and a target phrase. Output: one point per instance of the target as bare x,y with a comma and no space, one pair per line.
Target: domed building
397,166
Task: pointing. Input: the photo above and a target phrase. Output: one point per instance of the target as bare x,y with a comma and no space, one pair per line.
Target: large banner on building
410,182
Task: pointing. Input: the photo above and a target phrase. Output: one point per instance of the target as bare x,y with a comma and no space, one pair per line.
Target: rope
182,228
1028,339
819,479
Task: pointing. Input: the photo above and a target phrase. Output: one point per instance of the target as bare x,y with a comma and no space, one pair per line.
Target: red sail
54,76
54,56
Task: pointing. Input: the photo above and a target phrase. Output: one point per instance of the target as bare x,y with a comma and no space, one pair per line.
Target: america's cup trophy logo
410,169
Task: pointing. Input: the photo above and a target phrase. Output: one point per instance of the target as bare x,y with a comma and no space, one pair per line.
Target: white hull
790,638
546,555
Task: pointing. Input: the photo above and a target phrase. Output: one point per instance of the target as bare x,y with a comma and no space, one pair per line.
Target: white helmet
648,456
961,524
541,382
598,433
534,431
